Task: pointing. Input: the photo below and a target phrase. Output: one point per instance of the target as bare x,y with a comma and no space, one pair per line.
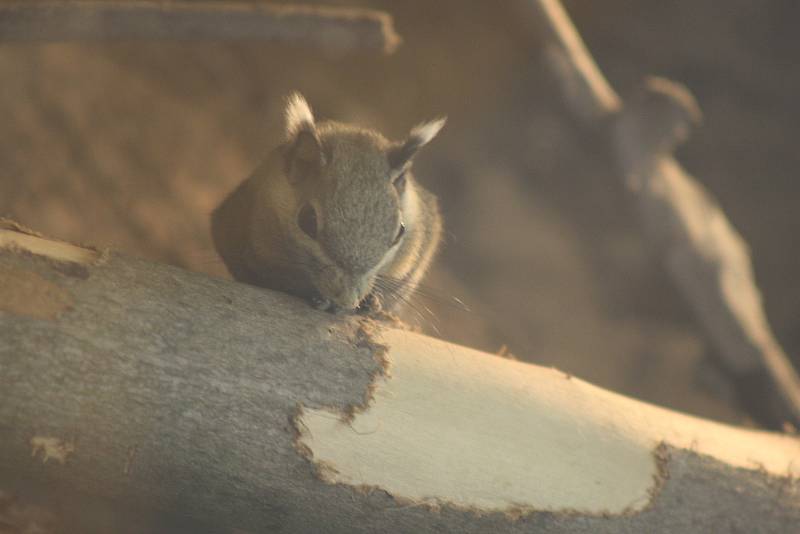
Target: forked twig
706,257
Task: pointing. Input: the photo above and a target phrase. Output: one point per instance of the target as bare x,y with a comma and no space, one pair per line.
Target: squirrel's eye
400,233
307,220
400,183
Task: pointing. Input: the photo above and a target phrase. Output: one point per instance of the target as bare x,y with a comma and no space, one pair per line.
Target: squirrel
333,215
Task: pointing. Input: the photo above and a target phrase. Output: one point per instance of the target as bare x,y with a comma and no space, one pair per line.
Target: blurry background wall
131,145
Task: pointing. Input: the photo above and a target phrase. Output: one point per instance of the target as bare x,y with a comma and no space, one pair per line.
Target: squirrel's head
354,206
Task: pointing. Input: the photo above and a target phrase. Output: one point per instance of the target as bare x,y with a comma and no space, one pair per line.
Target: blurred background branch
706,257
340,28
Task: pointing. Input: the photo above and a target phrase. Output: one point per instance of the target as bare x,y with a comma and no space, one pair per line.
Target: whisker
427,292
413,307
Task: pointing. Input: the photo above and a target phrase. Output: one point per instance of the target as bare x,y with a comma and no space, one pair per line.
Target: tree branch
343,29
705,256
171,401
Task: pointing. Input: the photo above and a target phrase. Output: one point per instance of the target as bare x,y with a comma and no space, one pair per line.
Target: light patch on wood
30,294
51,448
56,250
453,425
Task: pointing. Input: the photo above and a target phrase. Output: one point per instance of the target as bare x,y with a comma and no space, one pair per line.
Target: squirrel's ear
298,116
304,157
420,136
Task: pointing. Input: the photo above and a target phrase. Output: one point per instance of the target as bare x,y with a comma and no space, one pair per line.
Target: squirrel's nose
347,300
343,294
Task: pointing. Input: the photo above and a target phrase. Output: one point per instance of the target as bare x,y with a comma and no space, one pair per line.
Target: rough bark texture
174,390
326,27
148,398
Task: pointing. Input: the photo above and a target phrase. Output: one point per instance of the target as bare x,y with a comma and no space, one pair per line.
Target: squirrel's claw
369,305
